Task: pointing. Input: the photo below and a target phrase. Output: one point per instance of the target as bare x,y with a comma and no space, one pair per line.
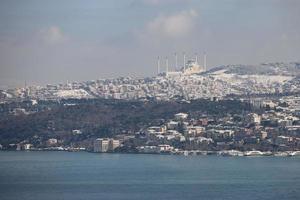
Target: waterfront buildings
52,141
105,145
271,123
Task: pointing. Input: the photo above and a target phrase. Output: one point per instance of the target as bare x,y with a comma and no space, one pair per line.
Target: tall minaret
158,65
196,58
167,66
176,61
204,61
184,61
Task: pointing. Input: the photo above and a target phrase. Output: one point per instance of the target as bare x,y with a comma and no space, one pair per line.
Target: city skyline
149,99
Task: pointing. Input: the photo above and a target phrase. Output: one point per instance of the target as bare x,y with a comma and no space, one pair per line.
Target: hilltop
267,78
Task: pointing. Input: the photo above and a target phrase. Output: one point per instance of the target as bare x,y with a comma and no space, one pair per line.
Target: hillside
100,118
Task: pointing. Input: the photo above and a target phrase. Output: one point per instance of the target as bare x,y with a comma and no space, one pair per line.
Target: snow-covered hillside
217,82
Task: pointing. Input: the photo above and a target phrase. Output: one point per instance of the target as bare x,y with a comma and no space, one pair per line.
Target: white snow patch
78,94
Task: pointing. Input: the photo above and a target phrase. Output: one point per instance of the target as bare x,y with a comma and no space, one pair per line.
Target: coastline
224,153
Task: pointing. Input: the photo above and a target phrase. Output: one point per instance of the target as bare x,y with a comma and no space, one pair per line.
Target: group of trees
101,118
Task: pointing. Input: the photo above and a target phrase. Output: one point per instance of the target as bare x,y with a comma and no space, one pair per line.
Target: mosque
191,66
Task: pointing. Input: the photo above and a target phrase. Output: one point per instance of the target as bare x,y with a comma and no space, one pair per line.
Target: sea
88,176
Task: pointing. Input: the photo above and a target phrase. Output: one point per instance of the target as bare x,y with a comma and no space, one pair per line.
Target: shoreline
225,153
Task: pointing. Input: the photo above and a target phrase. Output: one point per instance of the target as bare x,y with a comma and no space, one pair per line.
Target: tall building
101,145
105,145
114,144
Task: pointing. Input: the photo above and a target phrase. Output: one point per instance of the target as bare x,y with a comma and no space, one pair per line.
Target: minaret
204,61
196,58
158,65
167,66
184,61
176,61
25,88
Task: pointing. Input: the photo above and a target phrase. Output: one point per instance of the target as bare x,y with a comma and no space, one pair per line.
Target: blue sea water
84,176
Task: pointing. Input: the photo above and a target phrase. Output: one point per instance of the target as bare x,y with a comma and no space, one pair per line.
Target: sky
56,41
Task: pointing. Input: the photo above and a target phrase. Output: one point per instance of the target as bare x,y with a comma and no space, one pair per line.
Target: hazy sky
52,41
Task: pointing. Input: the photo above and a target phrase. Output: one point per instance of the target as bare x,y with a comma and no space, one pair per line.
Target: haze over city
57,41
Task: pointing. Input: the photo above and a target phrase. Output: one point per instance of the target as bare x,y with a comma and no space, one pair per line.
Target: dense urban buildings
190,82
229,110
